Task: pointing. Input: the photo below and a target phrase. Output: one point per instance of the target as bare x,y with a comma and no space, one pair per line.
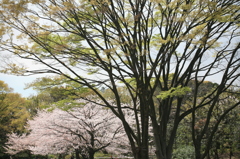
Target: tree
86,130
226,141
59,88
54,90
13,114
157,44
208,139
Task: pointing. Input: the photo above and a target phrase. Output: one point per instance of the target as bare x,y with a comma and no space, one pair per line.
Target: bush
184,152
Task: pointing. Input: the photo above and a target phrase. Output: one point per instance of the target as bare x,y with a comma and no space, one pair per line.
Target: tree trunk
156,139
198,150
145,136
91,154
141,152
77,154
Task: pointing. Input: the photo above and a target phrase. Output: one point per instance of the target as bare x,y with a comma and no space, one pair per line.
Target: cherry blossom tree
86,129
20,143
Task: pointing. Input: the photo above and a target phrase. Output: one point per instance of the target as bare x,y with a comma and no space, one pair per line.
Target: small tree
86,130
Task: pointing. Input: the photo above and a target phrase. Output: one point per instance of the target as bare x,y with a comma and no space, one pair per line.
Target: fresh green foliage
59,88
174,92
13,113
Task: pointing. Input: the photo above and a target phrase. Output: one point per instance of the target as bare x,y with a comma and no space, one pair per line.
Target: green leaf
174,92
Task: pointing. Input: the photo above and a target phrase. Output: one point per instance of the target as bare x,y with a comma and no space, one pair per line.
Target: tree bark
77,154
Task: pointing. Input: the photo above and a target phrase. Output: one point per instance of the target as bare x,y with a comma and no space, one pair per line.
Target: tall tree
13,114
99,43
211,127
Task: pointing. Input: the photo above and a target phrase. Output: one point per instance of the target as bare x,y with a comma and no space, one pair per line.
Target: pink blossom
89,128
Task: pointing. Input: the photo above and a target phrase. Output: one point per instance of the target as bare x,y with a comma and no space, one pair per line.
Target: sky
18,83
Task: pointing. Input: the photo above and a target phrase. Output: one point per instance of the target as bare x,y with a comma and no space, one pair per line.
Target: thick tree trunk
91,154
198,154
